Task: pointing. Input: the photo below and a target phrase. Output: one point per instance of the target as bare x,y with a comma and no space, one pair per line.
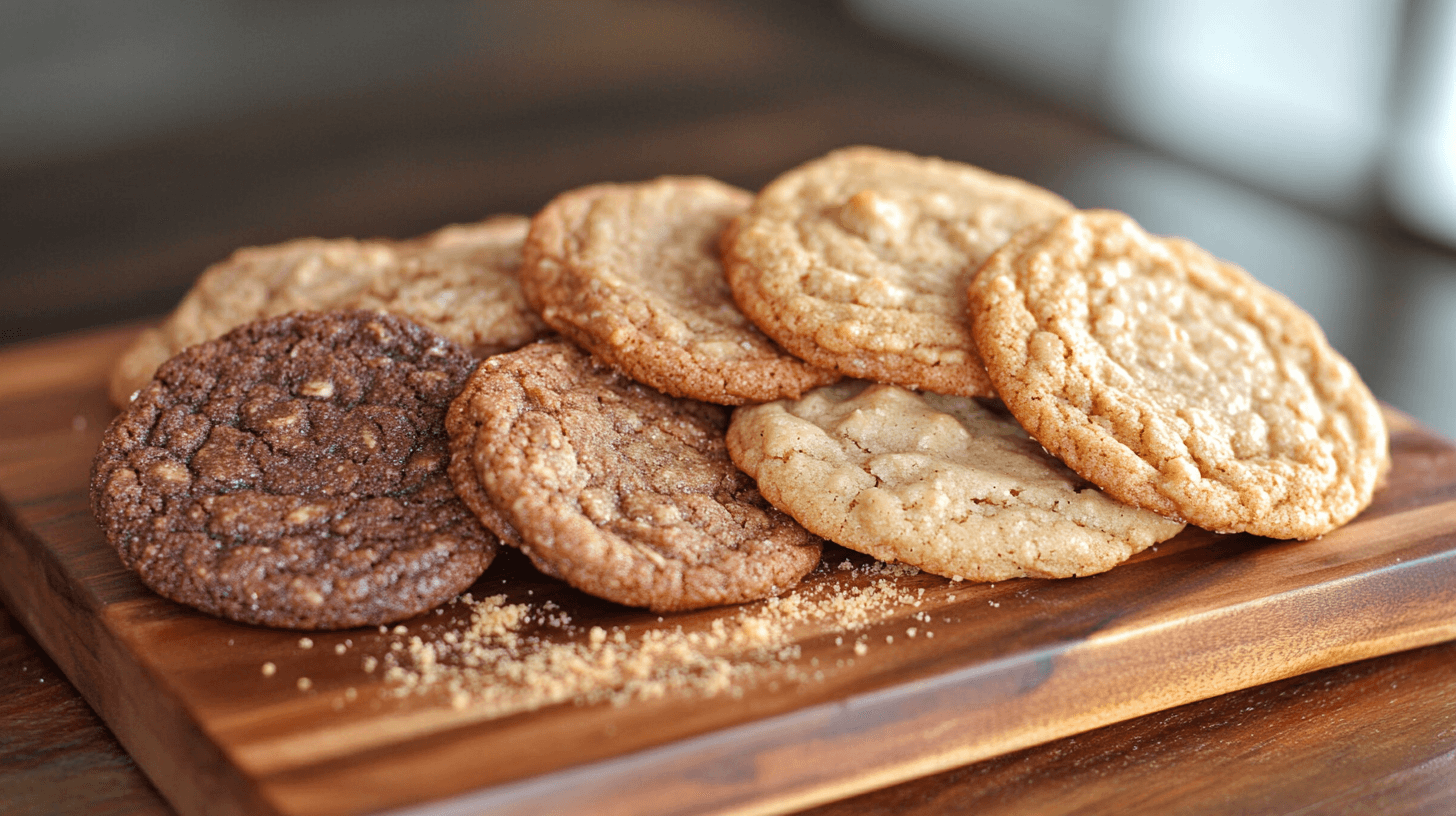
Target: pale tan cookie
858,261
934,481
1175,381
459,281
631,272
622,491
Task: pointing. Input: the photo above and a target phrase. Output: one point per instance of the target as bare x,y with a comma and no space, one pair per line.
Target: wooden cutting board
987,669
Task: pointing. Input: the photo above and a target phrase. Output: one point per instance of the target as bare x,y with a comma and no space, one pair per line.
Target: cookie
292,474
939,482
858,262
459,281
1175,381
631,272
624,492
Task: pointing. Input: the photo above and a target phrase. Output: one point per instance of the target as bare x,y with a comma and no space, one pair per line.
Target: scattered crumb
305,643
508,657
304,684
269,669
340,648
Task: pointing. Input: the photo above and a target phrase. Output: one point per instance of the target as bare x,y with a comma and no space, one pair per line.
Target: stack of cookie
909,357
1158,384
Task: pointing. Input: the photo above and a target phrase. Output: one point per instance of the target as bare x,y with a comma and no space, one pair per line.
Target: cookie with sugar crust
1175,381
632,273
858,262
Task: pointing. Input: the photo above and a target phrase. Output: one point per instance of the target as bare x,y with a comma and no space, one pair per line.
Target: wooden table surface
107,237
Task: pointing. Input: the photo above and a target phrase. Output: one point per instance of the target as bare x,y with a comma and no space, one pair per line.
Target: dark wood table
118,234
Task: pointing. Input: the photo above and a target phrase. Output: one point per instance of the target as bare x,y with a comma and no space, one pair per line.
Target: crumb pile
508,657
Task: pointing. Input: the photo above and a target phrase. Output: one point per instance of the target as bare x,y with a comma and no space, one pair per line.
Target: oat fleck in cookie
632,273
938,482
459,281
622,491
1176,381
292,474
858,262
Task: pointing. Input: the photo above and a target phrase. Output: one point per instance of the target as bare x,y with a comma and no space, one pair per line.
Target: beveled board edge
829,752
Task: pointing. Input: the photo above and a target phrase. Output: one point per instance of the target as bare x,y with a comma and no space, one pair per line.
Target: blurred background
1311,141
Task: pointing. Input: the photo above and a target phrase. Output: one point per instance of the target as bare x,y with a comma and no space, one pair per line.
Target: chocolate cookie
624,492
1175,381
858,262
631,272
934,481
292,474
459,281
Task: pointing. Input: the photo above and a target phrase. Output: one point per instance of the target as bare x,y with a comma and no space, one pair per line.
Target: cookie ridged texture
622,491
459,281
1176,381
292,474
858,262
632,273
936,481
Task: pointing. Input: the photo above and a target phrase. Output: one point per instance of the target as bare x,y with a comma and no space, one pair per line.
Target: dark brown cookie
292,474
622,491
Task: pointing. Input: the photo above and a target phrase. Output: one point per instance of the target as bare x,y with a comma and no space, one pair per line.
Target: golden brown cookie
292,474
631,272
622,491
1175,381
458,281
938,482
858,262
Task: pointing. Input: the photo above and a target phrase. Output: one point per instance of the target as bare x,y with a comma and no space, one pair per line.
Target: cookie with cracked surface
1176,381
935,481
858,262
632,273
624,492
459,281
292,474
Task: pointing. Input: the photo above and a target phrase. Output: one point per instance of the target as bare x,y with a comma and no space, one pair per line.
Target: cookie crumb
269,669
502,657
305,643
304,684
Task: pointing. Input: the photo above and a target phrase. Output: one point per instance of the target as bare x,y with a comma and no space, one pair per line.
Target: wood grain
1011,665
